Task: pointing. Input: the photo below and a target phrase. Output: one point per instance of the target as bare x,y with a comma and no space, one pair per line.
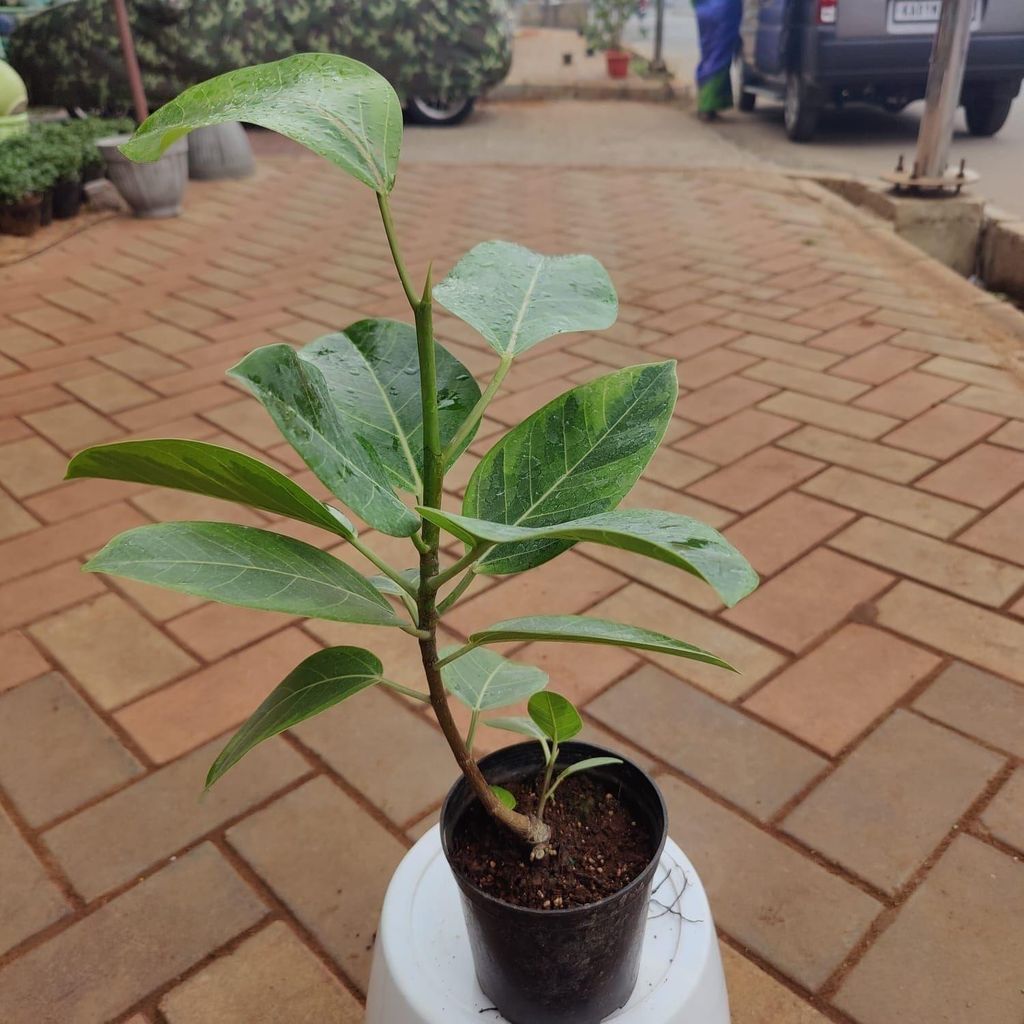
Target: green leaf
519,724
579,629
505,797
244,566
386,585
555,716
577,456
207,469
335,106
296,395
582,766
516,298
373,376
318,683
483,680
671,538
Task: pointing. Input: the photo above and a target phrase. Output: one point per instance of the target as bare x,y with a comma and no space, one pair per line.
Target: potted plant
23,183
153,189
606,21
63,155
382,408
86,131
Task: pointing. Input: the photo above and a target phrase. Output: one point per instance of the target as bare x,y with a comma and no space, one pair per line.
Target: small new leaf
582,766
321,681
555,716
505,797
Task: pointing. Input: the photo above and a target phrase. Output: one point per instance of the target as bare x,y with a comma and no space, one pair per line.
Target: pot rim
554,912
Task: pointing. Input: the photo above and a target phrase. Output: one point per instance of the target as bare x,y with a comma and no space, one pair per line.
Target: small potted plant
380,409
606,21
63,154
23,183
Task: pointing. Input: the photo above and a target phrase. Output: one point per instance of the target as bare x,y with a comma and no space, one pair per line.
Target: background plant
606,21
381,408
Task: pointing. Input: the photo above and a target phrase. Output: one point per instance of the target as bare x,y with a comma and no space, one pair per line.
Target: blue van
815,52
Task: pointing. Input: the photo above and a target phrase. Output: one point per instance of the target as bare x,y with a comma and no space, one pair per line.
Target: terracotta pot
23,217
618,63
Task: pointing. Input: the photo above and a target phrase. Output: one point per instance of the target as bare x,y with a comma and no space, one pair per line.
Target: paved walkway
853,800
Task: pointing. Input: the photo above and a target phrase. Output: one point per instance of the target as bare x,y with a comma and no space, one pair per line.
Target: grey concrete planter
151,190
220,151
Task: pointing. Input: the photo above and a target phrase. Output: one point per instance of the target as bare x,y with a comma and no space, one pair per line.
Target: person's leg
718,23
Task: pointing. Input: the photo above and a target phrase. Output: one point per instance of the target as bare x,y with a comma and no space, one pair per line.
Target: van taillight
827,11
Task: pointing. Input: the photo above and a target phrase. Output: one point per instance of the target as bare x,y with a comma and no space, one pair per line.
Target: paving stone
879,364
981,476
944,430
868,456
795,378
808,599
73,426
944,346
20,660
999,403
111,650
755,997
29,898
329,862
785,352
972,373
893,800
830,415
1004,816
946,566
248,420
739,435
852,338
181,716
84,758
676,469
953,953
166,338
166,505
642,607
749,764
218,629
801,918
43,592
781,531
712,365
108,391
908,395
999,532
131,831
271,978
693,340
359,740
159,929
964,630
579,671
157,602
905,505
756,478
978,704
1011,434
30,466
723,398
835,692
647,494
769,328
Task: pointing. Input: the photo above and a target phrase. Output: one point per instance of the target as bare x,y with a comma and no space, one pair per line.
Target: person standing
718,24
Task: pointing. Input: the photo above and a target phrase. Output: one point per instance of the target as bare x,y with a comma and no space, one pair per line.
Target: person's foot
708,116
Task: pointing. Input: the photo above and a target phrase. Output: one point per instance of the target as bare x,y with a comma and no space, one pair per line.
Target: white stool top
423,968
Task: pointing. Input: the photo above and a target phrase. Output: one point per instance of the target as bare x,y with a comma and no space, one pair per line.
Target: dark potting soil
601,847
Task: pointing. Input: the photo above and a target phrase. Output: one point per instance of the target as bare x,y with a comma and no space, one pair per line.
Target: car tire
987,114
442,113
745,99
801,108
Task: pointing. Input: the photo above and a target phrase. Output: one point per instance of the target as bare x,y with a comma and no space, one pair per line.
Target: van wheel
987,114
443,112
801,109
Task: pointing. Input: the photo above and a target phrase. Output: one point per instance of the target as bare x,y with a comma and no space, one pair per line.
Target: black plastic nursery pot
573,966
67,199
23,217
46,209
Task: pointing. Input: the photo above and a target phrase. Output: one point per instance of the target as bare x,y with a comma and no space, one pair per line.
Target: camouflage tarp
69,55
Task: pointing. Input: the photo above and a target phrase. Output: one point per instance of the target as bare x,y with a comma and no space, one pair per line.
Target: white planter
151,190
423,969
220,151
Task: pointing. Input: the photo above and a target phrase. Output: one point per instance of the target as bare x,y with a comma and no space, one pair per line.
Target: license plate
916,10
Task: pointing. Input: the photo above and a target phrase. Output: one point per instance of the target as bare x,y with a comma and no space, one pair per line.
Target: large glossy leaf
244,566
318,683
373,376
483,680
575,457
207,469
555,716
335,106
579,629
294,392
516,298
677,540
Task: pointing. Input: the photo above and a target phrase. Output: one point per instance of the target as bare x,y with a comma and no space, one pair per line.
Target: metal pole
945,82
131,61
658,61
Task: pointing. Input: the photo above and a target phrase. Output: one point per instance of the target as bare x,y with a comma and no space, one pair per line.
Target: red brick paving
852,798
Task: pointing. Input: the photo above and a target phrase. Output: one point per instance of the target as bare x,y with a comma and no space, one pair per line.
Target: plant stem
406,691
464,649
477,412
390,571
471,735
545,792
453,570
457,591
532,830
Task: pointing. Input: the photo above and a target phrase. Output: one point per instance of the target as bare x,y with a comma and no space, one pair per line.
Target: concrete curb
648,90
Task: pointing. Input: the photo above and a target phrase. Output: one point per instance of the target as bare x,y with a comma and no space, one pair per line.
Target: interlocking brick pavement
852,798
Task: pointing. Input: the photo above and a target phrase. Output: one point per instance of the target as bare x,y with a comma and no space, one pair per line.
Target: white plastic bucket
423,969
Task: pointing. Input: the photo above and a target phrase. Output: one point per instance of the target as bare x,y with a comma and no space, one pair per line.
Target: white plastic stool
423,968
